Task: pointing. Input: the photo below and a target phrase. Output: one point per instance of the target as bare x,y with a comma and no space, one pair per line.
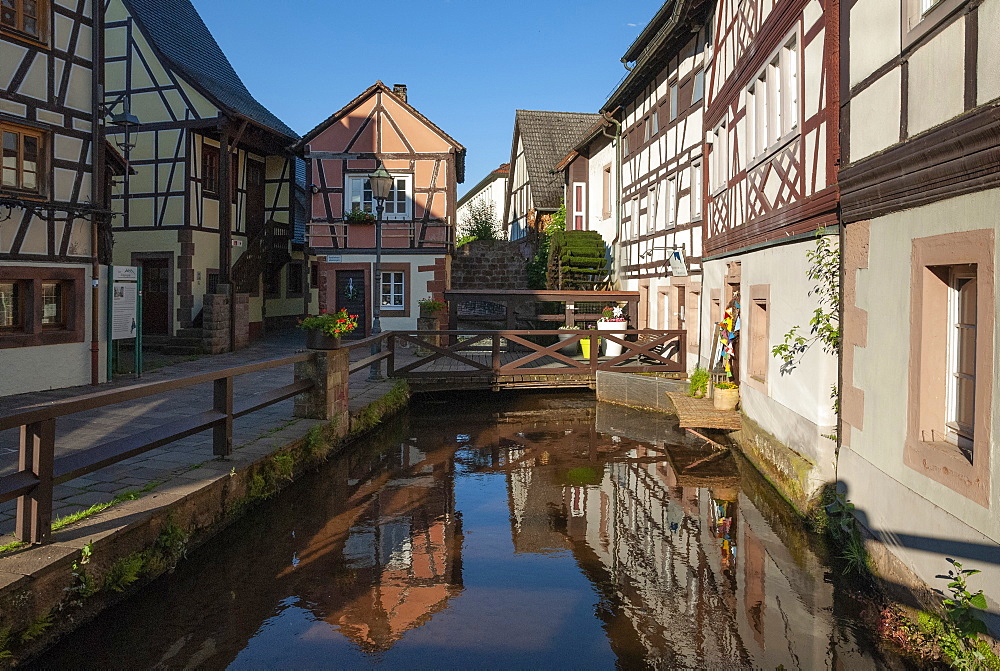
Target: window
579,203
53,305
209,171
652,207
927,5
672,202
11,306
961,377
696,190
718,168
699,86
772,106
212,283
951,336
652,125
23,16
674,100
392,291
295,277
759,354
397,205
22,153
41,306
272,284
635,218
625,148
606,192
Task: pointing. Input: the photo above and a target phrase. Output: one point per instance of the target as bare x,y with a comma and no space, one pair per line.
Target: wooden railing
39,470
501,353
378,354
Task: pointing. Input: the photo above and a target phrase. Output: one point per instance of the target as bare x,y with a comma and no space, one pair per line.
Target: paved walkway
86,429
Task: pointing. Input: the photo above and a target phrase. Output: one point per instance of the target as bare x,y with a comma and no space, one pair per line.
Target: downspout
97,181
616,138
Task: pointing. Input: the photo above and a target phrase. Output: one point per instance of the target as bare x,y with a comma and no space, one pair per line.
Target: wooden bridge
457,359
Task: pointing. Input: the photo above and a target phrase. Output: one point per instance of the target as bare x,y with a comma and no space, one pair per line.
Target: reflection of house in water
700,571
400,560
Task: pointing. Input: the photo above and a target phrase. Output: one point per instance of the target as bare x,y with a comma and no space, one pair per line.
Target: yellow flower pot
585,346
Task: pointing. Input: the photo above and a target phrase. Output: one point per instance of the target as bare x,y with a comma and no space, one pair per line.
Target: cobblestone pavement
86,429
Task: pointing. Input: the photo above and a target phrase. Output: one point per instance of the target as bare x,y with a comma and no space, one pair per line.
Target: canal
514,531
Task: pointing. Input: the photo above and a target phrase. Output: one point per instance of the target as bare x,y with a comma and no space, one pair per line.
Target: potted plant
323,331
726,396
359,216
570,349
612,319
585,344
430,307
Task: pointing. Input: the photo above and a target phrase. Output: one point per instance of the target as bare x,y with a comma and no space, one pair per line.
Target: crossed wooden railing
506,353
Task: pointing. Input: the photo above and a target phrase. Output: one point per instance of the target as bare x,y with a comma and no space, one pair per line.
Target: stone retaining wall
489,264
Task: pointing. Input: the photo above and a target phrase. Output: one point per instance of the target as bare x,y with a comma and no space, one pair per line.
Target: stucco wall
63,365
881,369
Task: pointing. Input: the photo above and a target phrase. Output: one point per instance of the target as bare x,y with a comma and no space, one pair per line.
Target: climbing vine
824,326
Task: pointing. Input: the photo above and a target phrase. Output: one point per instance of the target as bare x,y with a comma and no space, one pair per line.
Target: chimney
400,91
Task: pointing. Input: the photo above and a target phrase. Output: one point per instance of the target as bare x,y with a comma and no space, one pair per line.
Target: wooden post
390,362
595,350
570,313
496,353
34,510
222,434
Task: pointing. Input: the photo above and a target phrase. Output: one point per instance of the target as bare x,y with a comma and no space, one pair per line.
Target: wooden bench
666,350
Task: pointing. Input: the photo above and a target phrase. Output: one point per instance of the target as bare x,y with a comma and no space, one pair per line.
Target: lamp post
381,183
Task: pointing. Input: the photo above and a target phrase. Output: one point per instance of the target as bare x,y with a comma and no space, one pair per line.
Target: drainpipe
617,139
97,196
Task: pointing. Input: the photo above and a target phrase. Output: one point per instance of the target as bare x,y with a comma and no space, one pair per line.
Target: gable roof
177,32
367,93
547,137
500,173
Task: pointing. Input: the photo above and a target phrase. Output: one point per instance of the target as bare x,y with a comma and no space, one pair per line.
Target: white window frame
397,290
674,101
698,87
696,177
579,205
672,201
958,433
718,159
634,233
352,182
653,207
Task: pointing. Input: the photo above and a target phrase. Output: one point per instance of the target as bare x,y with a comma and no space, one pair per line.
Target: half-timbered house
418,228
659,107
590,178
920,190
210,206
534,189
52,227
771,121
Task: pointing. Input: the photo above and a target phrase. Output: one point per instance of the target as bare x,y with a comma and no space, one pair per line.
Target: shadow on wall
904,584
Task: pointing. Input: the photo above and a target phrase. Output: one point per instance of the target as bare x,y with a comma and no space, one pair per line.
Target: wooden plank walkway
699,413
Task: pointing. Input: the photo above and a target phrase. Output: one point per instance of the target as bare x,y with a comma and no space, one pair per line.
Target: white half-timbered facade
660,107
210,200
53,223
920,184
380,126
772,150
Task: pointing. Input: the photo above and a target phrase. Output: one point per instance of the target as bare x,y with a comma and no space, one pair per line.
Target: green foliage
10,547
727,385
959,639
5,652
538,265
129,495
698,384
359,216
124,572
170,547
481,223
284,466
855,555
578,260
824,326
432,306
37,627
332,324
83,584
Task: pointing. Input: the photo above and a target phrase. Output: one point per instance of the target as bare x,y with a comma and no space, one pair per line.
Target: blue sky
468,63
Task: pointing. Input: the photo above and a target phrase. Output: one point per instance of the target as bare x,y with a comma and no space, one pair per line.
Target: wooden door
155,296
352,295
255,198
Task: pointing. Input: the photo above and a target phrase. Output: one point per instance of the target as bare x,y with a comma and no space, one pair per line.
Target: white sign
124,310
677,266
237,243
126,274
335,258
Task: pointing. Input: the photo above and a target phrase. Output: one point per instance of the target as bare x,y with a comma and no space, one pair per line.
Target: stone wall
215,324
489,264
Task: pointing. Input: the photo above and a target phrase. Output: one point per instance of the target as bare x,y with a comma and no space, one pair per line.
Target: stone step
189,333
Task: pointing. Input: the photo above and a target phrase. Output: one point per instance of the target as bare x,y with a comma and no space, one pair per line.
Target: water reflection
518,532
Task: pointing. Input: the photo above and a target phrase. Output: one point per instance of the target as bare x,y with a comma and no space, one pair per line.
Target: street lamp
381,184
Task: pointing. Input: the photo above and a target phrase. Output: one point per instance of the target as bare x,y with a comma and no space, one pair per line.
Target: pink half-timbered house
772,135
418,228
